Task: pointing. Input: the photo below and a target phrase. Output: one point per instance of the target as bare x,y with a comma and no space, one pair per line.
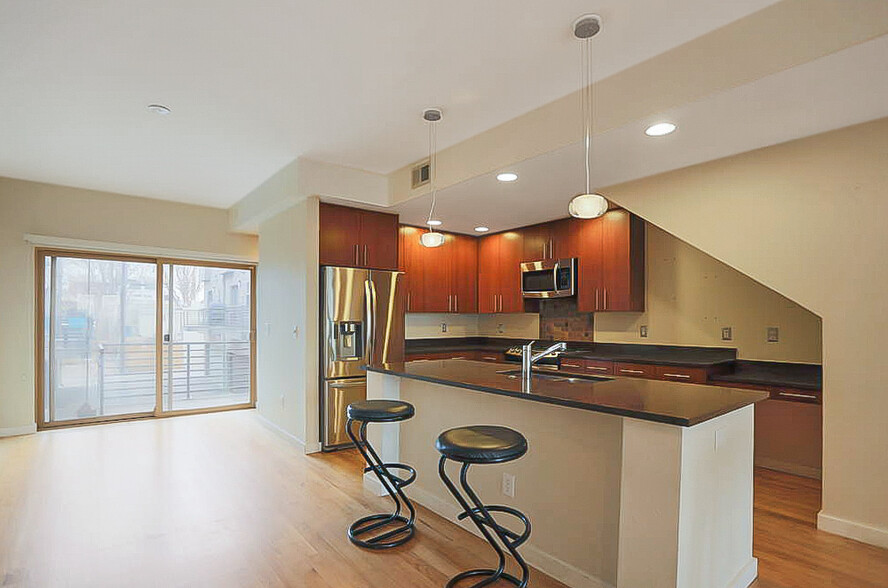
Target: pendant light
432,238
588,204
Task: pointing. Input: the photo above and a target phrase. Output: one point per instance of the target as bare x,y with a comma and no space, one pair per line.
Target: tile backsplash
561,321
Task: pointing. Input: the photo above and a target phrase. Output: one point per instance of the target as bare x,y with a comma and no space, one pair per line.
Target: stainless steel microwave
552,278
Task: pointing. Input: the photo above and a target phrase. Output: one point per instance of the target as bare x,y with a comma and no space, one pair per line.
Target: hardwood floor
220,500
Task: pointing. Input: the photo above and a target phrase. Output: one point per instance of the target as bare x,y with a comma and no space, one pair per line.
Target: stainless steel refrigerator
362,322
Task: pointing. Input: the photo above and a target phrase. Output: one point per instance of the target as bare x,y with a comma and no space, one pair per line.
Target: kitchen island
627,482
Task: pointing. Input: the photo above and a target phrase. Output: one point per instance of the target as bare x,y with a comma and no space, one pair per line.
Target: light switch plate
643,331
509,485
727,333
773,335
443,327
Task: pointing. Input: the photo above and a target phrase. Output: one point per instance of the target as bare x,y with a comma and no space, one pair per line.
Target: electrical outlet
773,335
282,401
509,485
500,328
443,327
643,331
727,333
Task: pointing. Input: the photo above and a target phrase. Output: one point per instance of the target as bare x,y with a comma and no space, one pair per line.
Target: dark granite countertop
806,376
653,354
653,400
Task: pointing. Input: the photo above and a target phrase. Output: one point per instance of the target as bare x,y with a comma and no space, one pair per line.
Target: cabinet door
339,234
437,296
511,250
536,243
379,240
622,262
588,246
464,274
488,274
411,264
561,235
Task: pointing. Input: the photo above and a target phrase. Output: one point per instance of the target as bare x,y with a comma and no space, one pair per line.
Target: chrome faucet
528,359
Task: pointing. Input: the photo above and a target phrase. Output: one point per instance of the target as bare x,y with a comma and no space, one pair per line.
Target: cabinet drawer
681,374
577,366
635,370
796,395
599,367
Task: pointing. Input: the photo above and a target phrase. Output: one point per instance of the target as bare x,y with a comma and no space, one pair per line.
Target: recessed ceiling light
159,109
659,129
507,177
434,223
482,229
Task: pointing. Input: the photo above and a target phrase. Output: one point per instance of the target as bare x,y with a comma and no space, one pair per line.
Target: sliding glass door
127,337
207,326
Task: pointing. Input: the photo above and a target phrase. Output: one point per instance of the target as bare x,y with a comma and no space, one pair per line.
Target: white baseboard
544,562
877,536
15,431
373,485
746,576
290,437
789,468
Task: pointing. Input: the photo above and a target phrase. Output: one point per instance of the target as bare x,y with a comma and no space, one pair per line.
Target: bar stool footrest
398,481
403,531
487,573
515,539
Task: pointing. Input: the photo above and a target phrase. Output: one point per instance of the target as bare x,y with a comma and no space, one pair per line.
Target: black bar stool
483,444
395,529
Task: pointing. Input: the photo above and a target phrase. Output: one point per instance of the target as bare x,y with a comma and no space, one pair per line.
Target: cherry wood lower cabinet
352,237
440,279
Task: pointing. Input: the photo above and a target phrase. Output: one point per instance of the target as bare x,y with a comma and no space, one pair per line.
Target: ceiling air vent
420,175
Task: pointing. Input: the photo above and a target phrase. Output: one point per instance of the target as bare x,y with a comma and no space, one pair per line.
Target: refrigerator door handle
370,320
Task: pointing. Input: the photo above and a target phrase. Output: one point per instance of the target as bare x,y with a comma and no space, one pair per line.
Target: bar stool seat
380,411
481,444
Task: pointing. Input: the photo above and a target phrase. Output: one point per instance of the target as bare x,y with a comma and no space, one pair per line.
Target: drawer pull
573,365
625,371
596,368
490,358
686,376
797,395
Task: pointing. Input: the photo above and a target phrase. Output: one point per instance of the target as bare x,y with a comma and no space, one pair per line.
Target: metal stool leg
480,515
403,528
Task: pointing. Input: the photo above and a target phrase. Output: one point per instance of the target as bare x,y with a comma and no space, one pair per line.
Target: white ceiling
253,85
842,89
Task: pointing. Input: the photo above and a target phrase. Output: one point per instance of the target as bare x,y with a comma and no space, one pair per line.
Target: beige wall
807,218
29,207
691,296
518,326
287,307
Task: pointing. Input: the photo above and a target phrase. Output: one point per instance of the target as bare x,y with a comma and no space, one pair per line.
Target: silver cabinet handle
551,249
573,365
366,256
596,298
625,371
456,303
501,302
685,376
448,303
596,368
408,301
605,299
489,358
797,395
357,261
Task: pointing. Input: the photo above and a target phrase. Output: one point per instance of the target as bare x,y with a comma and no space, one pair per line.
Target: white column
686,504
384,437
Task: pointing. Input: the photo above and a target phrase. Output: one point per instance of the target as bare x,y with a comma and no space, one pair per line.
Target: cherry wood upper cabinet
611,263
552,240
357,238
464,273
440,279
499,272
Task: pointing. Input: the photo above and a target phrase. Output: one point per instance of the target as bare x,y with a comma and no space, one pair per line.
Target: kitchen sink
554,376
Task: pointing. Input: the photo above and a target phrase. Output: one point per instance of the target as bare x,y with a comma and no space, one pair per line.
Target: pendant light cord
587,98
433,169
